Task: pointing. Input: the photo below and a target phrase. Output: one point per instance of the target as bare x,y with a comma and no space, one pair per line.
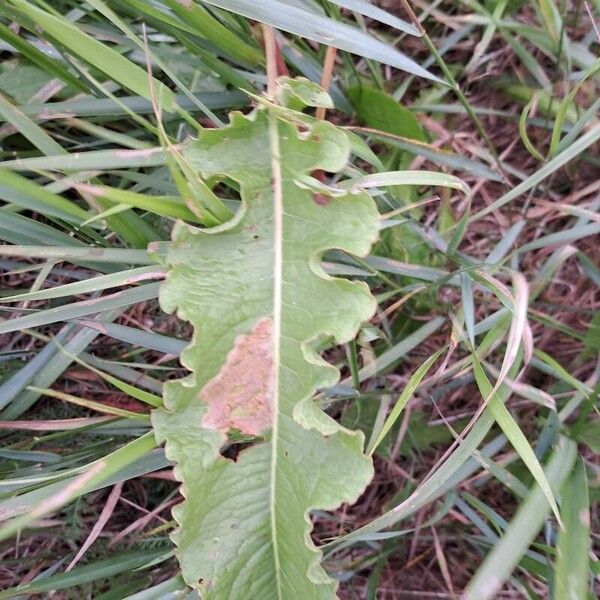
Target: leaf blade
273,245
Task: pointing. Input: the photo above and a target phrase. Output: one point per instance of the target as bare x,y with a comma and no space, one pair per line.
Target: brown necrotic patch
240,396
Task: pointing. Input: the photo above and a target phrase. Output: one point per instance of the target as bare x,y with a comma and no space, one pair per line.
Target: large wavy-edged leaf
258,299
314,26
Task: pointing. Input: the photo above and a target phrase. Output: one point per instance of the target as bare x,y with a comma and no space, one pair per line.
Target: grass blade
404,398
82,309
584,142
98,55
499,564
513,432
305,23
573,548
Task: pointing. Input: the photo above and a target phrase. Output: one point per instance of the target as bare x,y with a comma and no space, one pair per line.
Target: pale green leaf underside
244,526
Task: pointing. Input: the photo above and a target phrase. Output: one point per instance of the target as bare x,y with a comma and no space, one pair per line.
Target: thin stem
326,77
271,55
456,88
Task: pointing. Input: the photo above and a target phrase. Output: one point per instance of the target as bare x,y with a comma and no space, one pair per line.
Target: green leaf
81,309
99,55
212,29
306,23
380,111
404,397
429,178
30,130
259,300
88,573
585,141
87,106
36,503
428,151
368,10
48,65
23,192
574,540
513,432
592,336
532,513
589,434
92,284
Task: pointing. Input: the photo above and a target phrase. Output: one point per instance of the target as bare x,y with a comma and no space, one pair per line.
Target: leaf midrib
277,193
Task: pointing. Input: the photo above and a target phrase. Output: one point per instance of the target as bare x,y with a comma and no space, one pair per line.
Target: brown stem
326,77
271,51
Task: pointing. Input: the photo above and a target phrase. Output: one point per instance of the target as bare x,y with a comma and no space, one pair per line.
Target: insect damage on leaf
240,396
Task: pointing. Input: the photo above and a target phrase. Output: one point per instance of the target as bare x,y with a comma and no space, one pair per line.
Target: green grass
476,383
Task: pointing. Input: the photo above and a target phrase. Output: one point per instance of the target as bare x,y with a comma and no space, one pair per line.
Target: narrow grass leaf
585,141
101,255
130,390
407,393
53,367
37,57
12,385
513,432
587,116
28,507
88,106
446,477
572,234
468,306
139,337
28,128
420,178
532,513
81,309
518,324
91,284
558,371
105,514
397,352
435,155
573,548
98,54
200,21
87,574
502,248
305,23
523,131
27,194
91,404
373,12
167,206
94,159
171,589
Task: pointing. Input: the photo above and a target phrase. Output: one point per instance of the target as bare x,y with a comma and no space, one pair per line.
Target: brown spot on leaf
321,199
253,231
240,396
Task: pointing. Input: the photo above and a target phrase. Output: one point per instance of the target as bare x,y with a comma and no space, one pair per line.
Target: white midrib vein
276,186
